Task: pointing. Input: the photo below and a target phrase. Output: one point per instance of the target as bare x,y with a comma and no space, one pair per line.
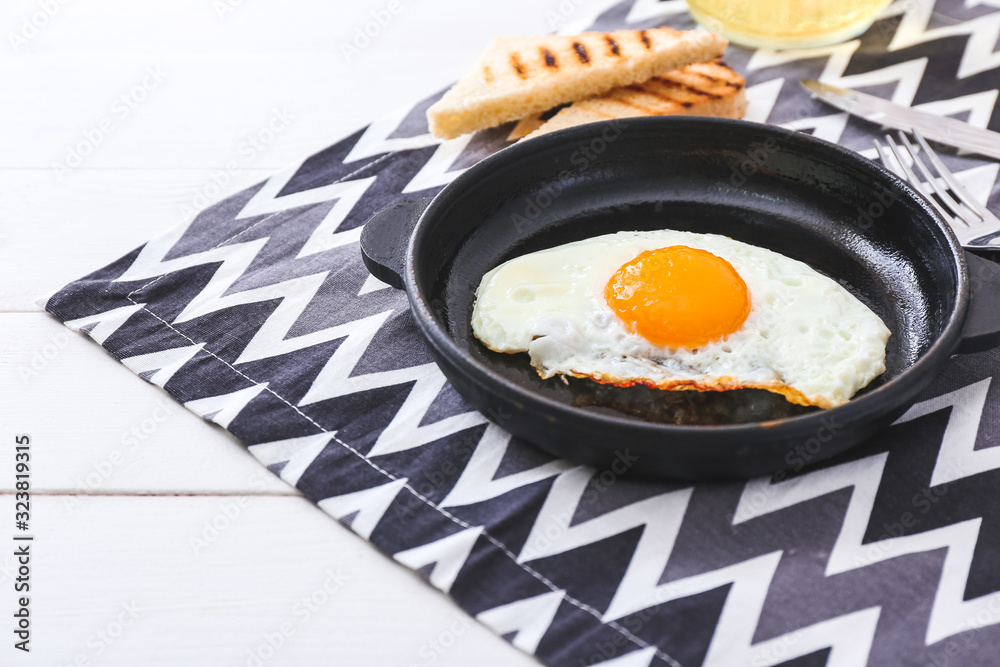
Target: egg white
806,337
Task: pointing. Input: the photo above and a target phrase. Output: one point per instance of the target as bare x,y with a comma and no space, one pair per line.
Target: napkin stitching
641,643
259,222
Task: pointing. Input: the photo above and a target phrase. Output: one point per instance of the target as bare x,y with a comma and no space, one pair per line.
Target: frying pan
805,198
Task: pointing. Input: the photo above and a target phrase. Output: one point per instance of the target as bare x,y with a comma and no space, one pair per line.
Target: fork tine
897,152
950,179
915,182
977,230
931,181
887,161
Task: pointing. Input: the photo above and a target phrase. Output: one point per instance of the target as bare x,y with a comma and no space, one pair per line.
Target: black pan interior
763,186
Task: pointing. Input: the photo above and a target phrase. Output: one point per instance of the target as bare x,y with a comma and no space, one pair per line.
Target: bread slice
701,89
519,76
526,126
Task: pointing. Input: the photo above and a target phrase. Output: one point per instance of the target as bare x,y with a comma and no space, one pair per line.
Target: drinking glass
787,24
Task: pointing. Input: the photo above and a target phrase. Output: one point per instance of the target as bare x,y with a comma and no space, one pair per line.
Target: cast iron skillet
805,198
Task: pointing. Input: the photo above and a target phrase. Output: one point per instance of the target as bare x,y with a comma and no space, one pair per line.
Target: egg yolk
679,296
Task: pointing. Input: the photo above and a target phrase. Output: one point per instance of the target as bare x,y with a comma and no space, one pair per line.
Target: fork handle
982,323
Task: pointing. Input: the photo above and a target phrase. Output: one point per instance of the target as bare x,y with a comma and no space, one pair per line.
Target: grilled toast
700,89
520,76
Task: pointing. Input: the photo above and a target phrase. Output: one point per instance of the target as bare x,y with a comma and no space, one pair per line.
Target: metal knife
937,128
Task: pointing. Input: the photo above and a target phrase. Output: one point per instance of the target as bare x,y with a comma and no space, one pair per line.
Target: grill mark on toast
518,66
613,45
642,108
666,83
668,94
722,80
699,91
644,89
669,83
550,60
487,74
713,79
581,53
645,39
652,104
719,80
669,99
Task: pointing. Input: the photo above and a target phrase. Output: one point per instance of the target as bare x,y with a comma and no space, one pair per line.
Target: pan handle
385,238
982,324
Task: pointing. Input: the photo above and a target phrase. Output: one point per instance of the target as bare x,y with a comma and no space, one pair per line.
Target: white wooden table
139,557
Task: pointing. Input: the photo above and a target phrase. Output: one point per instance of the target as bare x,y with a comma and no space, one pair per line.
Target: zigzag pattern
978,56
950,614
377,138
478,481
659,516
295,295
451,495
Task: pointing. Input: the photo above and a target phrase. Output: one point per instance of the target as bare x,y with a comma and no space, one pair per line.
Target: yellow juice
787,23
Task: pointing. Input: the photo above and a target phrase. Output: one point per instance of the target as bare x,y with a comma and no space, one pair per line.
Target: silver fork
971,221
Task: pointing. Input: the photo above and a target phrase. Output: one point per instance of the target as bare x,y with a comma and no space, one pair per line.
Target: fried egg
681,310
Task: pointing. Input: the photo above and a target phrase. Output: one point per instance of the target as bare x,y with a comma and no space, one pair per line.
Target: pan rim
893,394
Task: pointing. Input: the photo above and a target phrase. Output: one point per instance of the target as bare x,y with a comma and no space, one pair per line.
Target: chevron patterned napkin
260,317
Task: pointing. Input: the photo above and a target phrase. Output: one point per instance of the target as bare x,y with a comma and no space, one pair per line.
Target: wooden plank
214,581
203,117
178,112
225,74
309,27
100,429
219,81
51,235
